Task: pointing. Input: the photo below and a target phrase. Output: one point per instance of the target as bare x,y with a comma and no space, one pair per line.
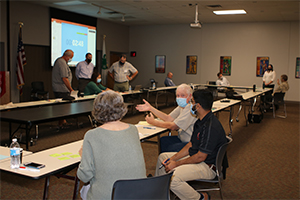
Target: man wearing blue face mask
179,119
84,71
94,86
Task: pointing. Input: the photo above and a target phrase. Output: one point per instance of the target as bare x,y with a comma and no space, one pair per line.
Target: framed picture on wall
191,64
297,74
262,64
160,64
225,65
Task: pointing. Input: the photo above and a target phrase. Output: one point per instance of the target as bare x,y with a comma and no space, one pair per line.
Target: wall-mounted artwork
262,64
297,74
225,65
160,64
191,64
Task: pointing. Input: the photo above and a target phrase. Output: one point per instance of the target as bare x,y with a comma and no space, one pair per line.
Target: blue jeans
171,144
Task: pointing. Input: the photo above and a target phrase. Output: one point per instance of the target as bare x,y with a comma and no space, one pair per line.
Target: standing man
168,80
84,71
62,78
179,119
197,159
122,72
62,75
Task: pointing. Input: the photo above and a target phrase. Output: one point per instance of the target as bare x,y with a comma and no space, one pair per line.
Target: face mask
193,109
99,80
221,78
88,61
181,102
70,60
121,63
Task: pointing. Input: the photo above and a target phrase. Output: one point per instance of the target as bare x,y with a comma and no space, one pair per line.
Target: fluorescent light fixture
229,12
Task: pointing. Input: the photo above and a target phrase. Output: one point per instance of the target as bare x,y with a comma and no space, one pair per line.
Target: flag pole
104,63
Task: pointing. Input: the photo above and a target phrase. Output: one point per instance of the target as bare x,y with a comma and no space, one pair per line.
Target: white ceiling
150,12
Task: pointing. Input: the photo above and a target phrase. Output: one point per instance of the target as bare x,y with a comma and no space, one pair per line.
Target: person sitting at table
222,81
283,87
95,86
197,159
111,151
168,81
179,119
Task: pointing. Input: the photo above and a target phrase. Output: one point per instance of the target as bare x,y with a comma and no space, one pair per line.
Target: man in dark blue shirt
197,158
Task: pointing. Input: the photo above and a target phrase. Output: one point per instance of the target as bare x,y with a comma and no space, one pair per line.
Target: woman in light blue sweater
111,151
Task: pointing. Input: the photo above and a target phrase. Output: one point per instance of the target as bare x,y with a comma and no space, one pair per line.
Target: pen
146,127
29,169
164,162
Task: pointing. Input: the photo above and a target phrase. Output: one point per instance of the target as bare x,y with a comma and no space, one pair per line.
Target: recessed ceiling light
229,12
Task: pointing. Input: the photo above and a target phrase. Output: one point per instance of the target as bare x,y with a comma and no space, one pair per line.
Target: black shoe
149,175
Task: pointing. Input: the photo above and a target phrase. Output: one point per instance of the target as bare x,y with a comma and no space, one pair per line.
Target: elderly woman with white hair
111,151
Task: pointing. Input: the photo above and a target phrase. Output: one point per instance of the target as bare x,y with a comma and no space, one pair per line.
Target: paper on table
3,157
143,123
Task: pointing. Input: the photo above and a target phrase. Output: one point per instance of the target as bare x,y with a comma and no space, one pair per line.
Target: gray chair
213,184
157,187
278,99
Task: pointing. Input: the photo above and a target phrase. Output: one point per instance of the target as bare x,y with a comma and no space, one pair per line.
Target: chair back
220,157
146,188
279,97
37,86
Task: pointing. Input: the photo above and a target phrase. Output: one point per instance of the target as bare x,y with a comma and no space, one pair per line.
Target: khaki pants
184,173
121,87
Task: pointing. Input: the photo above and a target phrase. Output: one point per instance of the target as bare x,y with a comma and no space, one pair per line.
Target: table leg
76,187
240,108
46,187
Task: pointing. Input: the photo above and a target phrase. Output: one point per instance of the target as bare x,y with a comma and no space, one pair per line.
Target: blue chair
157,187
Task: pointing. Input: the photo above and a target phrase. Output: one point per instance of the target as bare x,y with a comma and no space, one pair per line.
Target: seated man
196,159
222,81
283,87
168,80
179,119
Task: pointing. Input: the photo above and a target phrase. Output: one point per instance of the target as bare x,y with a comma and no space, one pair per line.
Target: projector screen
79,38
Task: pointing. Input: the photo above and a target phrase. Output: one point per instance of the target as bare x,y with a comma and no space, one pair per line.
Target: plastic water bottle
14,154
154,85
254,86
129,89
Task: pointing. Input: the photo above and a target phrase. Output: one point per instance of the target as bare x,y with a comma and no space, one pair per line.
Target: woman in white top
269,77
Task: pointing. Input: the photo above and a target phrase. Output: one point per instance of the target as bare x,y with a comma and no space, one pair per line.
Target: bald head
170,75
68,54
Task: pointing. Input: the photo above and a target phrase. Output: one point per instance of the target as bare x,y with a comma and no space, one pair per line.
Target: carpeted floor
263,158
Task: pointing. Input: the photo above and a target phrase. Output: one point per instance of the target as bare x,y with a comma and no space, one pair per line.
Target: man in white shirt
222,81
84,71
179,119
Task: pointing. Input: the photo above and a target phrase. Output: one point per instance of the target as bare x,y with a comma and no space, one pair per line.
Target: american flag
21,62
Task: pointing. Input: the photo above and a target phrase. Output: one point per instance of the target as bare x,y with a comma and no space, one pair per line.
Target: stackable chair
213,184
37,89
157,187
278,99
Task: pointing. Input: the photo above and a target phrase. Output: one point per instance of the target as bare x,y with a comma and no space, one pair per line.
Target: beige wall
243,41
36,31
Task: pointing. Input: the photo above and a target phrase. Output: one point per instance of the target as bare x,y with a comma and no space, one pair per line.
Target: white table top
5,153
219,105
146,130
251,94
54,159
